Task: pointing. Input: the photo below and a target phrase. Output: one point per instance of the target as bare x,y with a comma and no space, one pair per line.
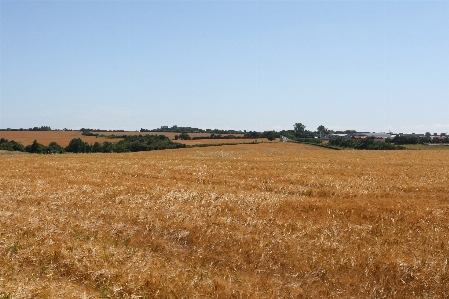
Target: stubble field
246,221
45,137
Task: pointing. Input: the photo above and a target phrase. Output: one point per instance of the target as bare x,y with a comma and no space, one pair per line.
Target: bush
309,140
77,145
11,145
54,148
362,144
35,148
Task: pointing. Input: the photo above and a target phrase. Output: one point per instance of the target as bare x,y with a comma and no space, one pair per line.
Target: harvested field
273,220
427,147
63,137
45,137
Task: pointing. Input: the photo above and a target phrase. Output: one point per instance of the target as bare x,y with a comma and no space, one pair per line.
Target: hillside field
63,137
270,220
426,147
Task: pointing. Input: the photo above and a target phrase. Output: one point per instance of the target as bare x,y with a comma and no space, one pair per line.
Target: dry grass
248,221
12,153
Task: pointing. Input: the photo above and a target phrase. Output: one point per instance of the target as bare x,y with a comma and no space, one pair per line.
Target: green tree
299,128
97,148
435,140
35,148
184,136
108,147
271,135
427,138
54,148
322,130
11,145
301,132
76,145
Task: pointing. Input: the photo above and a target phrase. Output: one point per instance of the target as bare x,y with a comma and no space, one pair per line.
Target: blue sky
254,65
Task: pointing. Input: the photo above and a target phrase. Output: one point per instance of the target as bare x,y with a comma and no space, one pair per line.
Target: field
12,153
45,137
63,137
272,220
426,147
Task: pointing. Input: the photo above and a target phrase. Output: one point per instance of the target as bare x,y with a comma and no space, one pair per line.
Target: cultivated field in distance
427,147
63,137
45,137
271,220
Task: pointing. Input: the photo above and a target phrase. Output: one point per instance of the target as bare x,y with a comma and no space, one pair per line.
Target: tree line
176,129
41,128
77,145
299,133
401,139
270,135
369,143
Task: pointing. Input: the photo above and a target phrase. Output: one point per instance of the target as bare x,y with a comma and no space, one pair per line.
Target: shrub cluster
309,140
400,139
362,144
183,136
270,135
77,145
129,144
35,147
5,144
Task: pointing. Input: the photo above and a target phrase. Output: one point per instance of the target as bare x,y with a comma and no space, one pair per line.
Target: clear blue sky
254,65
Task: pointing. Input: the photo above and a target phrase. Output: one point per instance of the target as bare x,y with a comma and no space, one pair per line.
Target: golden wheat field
273,220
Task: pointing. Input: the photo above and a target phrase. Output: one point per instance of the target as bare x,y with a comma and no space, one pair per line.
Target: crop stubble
250,221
